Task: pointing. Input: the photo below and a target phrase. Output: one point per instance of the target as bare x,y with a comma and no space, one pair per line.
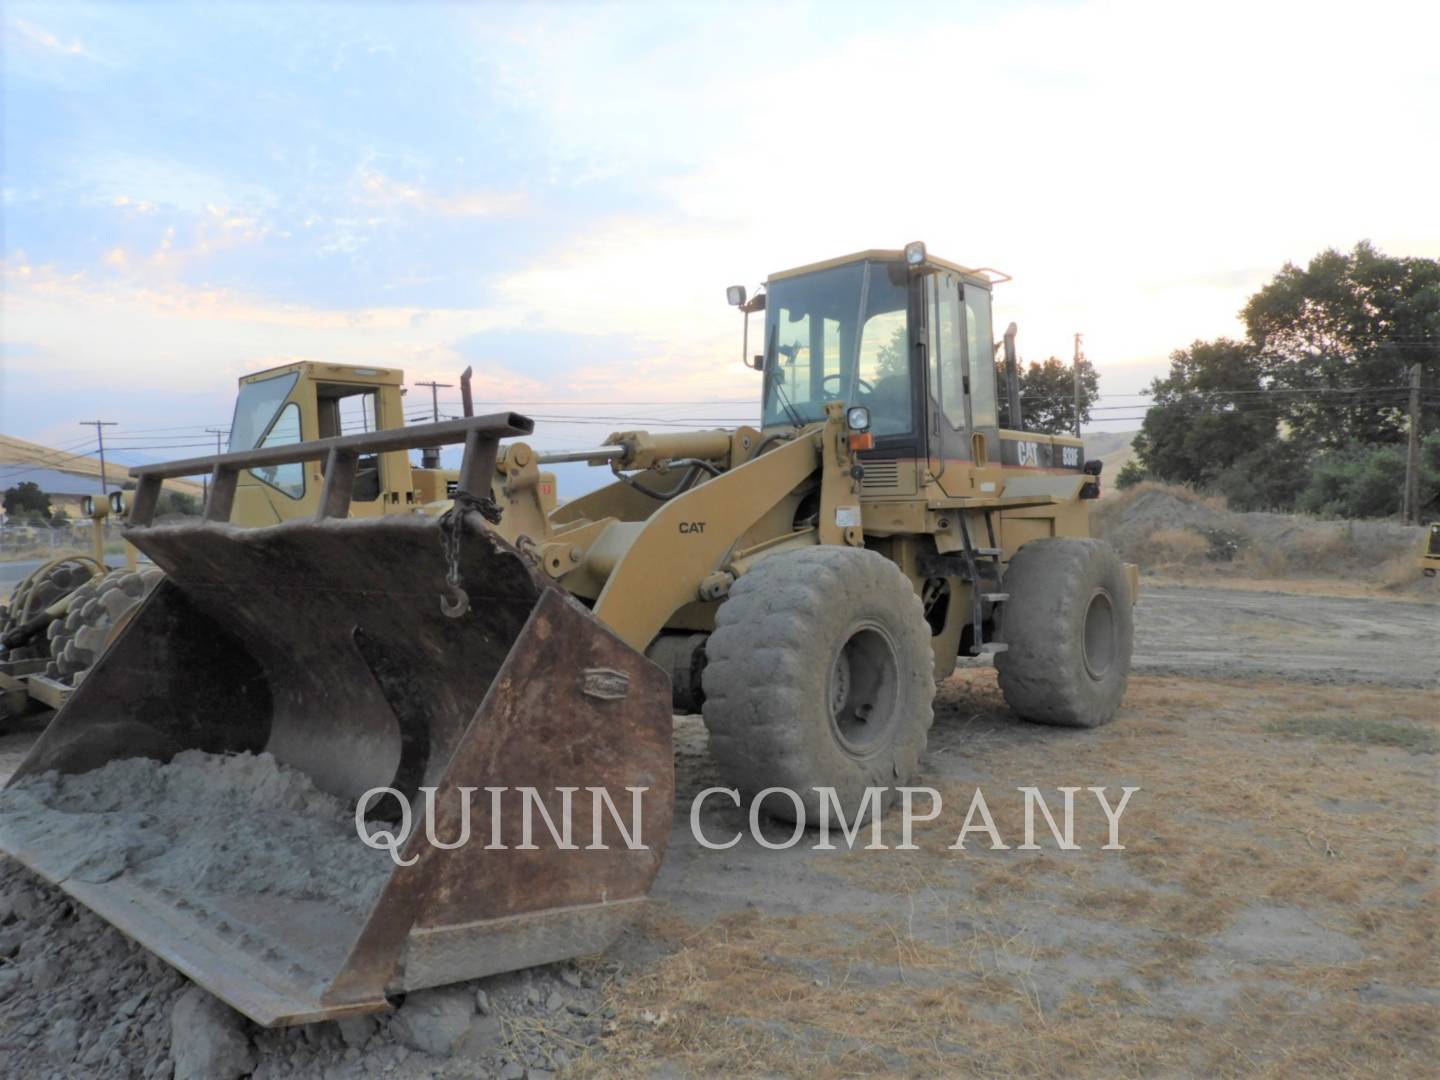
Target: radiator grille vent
881,474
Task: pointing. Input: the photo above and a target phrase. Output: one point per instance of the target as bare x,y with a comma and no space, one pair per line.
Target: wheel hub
1098,639
864,689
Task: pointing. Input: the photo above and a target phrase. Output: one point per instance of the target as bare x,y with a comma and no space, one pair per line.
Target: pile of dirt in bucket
78,998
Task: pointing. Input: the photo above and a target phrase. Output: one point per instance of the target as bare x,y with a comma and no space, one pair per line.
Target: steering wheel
865,387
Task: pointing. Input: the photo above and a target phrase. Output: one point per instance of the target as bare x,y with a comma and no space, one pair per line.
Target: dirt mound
1173,529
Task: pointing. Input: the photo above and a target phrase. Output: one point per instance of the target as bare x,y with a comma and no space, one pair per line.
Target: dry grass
1119,502
1167,549
1086,964
1176,530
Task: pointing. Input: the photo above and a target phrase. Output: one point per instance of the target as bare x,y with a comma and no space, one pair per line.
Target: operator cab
906,335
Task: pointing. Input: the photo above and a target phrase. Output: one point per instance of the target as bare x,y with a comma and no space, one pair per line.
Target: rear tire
1070,628
98,612
34,595
820,674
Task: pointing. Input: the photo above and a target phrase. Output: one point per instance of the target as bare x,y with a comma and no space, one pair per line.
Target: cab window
288,479
947,360
980,347
839,334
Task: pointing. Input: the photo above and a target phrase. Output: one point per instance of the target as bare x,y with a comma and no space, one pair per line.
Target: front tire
1070,629
820,674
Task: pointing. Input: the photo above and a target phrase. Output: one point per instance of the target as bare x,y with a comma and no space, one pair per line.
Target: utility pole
435,388
100,426
430,456
219,433
1412,456
1079,359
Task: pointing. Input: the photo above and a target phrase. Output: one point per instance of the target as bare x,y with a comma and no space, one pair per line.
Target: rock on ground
208,1039
434,1021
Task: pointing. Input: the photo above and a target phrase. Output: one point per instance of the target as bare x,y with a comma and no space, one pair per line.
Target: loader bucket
312,661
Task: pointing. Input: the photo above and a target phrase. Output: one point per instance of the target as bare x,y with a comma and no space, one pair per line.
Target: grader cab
803,582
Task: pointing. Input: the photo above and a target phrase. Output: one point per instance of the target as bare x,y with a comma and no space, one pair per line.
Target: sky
558,194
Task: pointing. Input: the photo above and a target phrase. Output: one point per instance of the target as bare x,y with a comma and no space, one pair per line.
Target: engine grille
881,475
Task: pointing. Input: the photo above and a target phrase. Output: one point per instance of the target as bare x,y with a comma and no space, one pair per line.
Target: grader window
352,410
287,479
255,409
262,418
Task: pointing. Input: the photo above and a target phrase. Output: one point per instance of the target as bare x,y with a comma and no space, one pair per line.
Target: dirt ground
1273,912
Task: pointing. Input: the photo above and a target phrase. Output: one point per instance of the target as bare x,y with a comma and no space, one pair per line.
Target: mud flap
324,644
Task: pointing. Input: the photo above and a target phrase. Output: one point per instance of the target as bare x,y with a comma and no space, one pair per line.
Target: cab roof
310,369
980,276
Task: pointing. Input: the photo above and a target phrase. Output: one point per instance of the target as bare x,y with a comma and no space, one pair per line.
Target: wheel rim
864,689
1099,637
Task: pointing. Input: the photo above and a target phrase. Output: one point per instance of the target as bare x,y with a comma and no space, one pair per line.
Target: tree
1047,395
27,498
177,502
1336,340
1205,415
1129,475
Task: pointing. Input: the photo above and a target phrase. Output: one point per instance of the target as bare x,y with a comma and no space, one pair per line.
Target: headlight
117,502
87,505
858,418
735,295
915,253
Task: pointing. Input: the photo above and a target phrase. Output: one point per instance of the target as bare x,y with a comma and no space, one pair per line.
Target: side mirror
735,295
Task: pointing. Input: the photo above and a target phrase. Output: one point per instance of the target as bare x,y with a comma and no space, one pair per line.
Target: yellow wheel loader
803,582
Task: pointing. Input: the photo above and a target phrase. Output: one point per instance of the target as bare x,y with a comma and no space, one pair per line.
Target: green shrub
1268,479
1130,474
1356,482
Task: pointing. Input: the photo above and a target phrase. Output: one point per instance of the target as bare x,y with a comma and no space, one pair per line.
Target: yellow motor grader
64,614
803,582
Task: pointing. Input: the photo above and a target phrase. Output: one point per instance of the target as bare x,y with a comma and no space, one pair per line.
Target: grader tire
34,595
820,674
98,611
1069,626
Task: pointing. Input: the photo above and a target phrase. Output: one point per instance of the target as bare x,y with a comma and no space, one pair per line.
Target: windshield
263,419
255,406
839,335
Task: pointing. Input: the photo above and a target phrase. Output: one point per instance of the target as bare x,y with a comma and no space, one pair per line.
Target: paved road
11,573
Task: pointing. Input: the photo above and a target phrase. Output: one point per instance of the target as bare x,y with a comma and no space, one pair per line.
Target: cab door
947,409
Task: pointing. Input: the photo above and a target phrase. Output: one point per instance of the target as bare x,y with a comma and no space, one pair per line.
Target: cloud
377,189
39,37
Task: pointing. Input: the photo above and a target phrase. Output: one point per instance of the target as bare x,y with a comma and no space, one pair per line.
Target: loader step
993,552
995,597
990,648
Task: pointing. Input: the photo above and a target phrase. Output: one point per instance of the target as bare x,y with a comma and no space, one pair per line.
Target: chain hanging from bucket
454,601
